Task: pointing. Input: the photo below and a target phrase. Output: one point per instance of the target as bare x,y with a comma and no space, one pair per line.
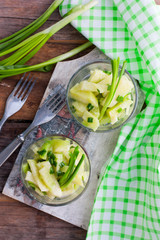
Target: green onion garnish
69,171
50,155
90,120
60,173
32,185
62,164
52,162
42,152
74,173
98,90
51,158
120,98
73,109
109,87
51,170
119,110
114,84
89,107
25,167
40,160
107,72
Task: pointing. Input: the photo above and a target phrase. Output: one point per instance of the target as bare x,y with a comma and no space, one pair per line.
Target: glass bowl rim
53,204
135,104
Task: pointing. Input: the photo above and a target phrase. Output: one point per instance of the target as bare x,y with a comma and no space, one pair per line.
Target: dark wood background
18,221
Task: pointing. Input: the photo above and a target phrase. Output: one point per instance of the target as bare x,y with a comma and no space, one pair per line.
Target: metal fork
17,98
44,114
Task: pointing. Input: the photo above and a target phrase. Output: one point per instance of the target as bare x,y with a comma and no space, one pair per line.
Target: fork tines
57,100
24,87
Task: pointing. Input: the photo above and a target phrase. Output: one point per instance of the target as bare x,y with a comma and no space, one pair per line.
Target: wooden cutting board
99,146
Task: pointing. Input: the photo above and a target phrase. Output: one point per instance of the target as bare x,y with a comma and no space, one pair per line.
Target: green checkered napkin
127,204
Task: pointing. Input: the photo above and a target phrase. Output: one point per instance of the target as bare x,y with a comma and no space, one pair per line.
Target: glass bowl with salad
55,170
102,95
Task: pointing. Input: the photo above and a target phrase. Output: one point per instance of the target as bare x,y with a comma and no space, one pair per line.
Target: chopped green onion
72,147
98,90
52,162
62,164
99,100
40,160
42,152
83,178
51,170
99,96
90,107
120,98
60,173
107,72
109,87
32,185
25,167
51,158
90,120
50,155
119,110
73,109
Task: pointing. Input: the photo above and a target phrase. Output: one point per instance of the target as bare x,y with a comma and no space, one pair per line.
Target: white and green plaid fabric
127,203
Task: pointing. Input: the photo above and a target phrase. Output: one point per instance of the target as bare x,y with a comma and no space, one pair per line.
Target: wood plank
18,221
9,132
63,41
6,86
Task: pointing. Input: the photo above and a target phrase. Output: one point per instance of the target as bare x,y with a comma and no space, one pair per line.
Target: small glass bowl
29,154
84,73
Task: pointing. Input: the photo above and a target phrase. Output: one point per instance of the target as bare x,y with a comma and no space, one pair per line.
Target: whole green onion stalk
114,84
69,171
72,175
14,39
29,47
7,71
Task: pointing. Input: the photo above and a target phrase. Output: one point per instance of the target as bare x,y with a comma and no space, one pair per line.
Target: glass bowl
84,73
29,154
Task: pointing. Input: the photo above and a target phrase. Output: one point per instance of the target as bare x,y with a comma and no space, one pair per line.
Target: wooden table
18,221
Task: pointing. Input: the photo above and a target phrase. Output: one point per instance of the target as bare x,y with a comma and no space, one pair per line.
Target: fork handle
2,121
6,153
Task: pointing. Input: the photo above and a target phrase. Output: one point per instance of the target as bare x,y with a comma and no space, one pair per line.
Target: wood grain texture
18,221
15,15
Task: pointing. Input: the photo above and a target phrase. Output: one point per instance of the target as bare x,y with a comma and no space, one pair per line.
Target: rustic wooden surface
18,221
